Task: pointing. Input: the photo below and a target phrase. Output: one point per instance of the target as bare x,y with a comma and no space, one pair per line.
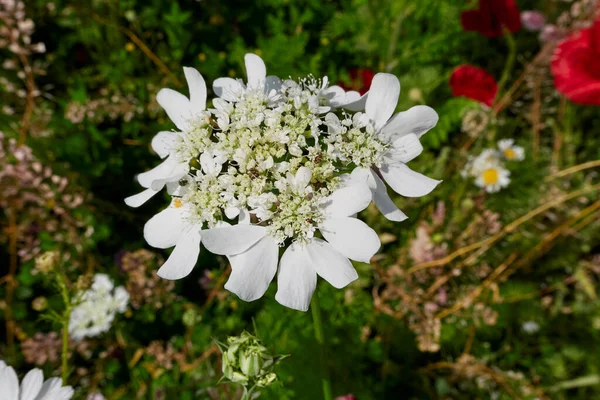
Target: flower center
490,176
509,153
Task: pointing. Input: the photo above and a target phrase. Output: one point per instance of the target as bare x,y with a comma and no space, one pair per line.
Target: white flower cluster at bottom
96,308
33,386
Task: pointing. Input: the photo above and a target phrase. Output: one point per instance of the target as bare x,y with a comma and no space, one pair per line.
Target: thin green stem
318,326
64,365
510,61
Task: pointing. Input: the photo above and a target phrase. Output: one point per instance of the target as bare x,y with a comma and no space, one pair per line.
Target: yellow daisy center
177,203
509,153
490,176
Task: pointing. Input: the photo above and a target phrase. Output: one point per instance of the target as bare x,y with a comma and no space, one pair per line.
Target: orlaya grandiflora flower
254,254
186,114
33,386
401,133
234,89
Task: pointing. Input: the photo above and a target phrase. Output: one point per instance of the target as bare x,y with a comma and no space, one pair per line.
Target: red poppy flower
474,83
576,66
491,17
360,80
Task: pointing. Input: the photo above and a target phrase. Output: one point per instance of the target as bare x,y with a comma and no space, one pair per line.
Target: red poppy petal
474,83
576,66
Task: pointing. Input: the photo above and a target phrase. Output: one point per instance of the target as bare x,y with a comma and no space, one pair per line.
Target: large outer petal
330,264
382,98
348,200
9,383
351,237
384,203
197,87
161,171
228,89
417,120
31,384
163,142
407,182
297,279
403,149
184,257
138,199
232,240
164,229
256,71
177,107
253,270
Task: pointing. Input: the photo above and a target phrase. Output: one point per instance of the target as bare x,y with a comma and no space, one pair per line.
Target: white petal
162,142
297,279
351,237
197,87
64,393
178,172
352,96
32,384
403,149
184,257
334,95
354,103
384,203
348,200
9,383
138,199
232,212
256,71
228,89
162,170
253,270
417,120
244,217
302,178
164,229
272,83
49,389
233,239
407,182
383,98
332,266
176,105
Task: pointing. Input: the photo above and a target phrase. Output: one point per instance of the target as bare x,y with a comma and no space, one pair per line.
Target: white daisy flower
253,252
33,386
492,177
400,134
233,90
190,117
510,151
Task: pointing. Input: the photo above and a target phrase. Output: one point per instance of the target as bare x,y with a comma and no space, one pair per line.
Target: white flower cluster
96,308
280,163
488,168
32,387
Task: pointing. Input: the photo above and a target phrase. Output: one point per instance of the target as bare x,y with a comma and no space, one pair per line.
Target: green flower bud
251,362
247,362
